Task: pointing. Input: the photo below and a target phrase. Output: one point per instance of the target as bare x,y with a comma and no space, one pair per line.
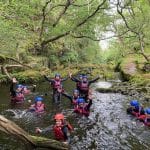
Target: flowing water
107,128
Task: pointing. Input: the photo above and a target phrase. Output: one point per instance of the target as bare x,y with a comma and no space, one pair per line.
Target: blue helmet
134,103
76,91
147,111
19,86
85,76
80,75
80,100
38,98
57,75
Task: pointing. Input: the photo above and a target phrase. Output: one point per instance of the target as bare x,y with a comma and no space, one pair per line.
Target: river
107,128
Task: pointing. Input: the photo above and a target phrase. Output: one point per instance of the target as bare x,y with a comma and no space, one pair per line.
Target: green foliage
28,76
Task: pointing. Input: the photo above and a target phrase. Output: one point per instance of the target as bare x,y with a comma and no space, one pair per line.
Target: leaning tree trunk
11,128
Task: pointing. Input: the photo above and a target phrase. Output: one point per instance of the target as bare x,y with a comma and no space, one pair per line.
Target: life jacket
58,131
84,86
39,108
74,100
82,110
18,98
137,112
56,84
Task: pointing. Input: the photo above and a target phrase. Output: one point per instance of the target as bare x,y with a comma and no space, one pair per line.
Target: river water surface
107,128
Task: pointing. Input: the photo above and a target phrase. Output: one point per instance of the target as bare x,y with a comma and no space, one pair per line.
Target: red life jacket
18,98
39,108
57,84
82,110
74,101
58,132
84,86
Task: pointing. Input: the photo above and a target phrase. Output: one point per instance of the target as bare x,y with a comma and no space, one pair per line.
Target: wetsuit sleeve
89,104
64,79
75,79
12,89
48,129
92,81
67,95
47,79
66,133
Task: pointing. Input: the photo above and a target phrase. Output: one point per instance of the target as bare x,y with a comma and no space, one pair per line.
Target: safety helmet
19,86
80,100
57,75
134,103
148,111
85,76
76,91
38,98
80,75
59,116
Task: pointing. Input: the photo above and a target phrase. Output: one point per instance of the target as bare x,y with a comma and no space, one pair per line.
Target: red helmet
59,117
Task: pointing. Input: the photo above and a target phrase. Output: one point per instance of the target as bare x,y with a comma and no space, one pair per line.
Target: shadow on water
107,128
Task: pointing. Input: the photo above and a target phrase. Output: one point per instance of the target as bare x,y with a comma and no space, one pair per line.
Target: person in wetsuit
135,109
83,108
56,84
84,85
16,91
61,129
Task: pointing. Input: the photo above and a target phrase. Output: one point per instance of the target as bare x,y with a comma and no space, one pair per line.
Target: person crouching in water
83,108
16,92
57,86
84,86
61,129
145,118
38,107
135,109
73,98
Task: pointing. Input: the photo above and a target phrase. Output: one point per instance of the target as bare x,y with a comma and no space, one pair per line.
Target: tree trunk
11,128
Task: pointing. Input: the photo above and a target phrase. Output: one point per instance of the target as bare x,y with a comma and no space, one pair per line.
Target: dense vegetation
57,34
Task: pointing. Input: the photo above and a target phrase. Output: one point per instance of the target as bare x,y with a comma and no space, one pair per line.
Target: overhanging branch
45,42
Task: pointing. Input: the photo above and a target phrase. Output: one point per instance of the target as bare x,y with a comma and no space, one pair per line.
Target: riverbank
36,75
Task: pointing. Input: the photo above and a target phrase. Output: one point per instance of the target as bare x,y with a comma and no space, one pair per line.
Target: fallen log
11,128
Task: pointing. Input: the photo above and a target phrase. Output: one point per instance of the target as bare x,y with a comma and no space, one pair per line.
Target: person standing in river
83,85
56,84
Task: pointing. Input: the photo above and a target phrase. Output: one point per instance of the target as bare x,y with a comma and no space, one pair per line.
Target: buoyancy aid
58,131
137,112
84,86
145,119
56,84
39,108
18,98
74,100
82,110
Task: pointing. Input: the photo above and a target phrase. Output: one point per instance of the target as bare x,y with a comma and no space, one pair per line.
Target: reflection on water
107,128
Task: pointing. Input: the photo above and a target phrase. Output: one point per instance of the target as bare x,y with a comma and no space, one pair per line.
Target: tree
135,19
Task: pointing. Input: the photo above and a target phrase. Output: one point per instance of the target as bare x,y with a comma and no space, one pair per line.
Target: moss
28,76
140,79
3,78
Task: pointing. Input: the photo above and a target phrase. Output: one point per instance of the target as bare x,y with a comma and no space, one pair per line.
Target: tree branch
43,19
124,19
68,3
18,62
82,5
78,25
100,39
